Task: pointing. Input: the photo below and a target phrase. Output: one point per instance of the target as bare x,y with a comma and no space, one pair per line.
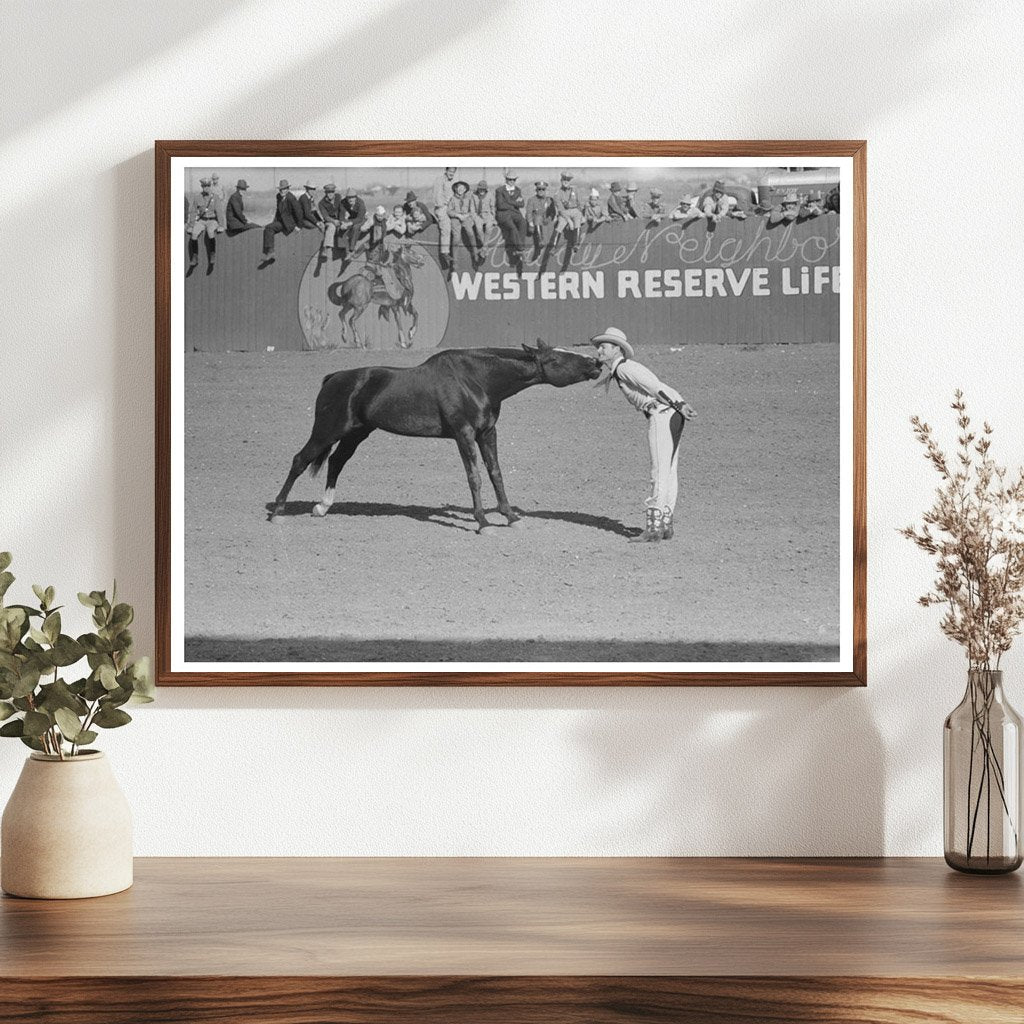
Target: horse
363,287
456,394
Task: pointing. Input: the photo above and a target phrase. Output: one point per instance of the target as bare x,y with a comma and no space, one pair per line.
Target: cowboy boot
652,531
666,525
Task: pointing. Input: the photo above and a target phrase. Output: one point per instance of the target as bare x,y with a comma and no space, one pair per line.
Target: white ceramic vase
66,831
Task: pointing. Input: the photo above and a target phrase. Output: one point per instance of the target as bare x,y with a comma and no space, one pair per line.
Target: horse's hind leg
488,442
313,449
345,450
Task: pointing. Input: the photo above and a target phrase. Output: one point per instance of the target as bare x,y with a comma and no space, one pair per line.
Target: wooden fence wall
780,286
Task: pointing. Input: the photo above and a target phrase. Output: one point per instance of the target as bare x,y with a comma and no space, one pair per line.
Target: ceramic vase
66,831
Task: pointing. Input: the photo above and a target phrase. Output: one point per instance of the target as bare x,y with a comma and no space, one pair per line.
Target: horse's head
407,254
561,367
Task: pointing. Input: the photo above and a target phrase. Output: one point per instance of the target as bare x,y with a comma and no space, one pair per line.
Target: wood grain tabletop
528,916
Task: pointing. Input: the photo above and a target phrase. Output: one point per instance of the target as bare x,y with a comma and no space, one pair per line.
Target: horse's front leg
487,439
345,450
464,439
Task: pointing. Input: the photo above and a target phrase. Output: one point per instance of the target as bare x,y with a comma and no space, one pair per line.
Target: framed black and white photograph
492,413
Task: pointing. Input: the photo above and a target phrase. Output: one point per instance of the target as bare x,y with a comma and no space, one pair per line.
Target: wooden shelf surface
669,930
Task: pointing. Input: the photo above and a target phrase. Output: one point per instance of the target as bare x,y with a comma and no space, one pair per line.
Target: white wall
937,90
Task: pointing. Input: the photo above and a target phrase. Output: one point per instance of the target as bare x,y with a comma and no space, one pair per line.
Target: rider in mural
665,410
380,253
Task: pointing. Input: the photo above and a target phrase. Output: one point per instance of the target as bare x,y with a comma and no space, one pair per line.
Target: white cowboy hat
615,337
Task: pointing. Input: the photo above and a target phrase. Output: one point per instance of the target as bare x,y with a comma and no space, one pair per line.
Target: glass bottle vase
981,774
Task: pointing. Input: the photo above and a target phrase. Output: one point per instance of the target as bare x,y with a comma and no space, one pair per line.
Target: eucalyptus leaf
69,724
89,600
6,710
142,678
51,626
40,593
50,595
111,718
121,616
67,651
6,579
31,741
27,681
94,644
14,728
86,736
107,676
59,695
94,689
36,723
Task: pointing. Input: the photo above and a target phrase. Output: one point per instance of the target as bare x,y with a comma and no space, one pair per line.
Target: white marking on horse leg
323,507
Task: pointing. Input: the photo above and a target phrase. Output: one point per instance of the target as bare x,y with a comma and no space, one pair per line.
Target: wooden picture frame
733,561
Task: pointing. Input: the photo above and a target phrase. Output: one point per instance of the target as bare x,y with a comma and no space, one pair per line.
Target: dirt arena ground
396,571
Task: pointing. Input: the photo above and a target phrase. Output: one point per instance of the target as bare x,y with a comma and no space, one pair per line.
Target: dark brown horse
364,287
456,393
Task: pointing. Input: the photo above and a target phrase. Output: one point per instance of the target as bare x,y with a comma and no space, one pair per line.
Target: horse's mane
515,354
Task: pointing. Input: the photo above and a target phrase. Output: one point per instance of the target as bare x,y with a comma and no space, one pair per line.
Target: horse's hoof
319,510
273,518
518,524
487,531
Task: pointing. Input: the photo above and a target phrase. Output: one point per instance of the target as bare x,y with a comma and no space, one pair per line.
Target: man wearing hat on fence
483,216
216,187
353,216
631,202
508,210
666,412
570,212
417,216
287,217
540,218
687,210
236,220
331,213
460,214
719,203
311,216
616,204
205,217
443,192
654,208
593,211
787,212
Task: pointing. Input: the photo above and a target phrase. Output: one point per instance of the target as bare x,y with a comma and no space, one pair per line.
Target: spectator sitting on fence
631,203
205,217
718,204
235,218
483,216
687,210
787,212
541,217
417,216
287,217
311,216
332,213
397,221
569,219
216,187
353,212
460,214
593,210
654,208
616,204
831,203
814,206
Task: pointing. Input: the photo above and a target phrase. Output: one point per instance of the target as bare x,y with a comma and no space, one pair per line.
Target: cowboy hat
456,184
614,337
719,186
283,183
791,197
410,196
511,175
481,186
631,187
351,193
566,176
242,184
204,182
594,194
330,187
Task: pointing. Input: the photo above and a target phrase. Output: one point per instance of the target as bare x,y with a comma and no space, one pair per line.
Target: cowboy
443,192
632,204
718,203
540,217
311,216
205,217
332,213
460,214
235,217
666,412
417,216
483,215
397,221
216,187
570,213
508,211
593,210
287,216
616,204
687,210
654,209
353,214
788,211
379,252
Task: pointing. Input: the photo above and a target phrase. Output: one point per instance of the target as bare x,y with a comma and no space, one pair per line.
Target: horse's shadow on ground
452,517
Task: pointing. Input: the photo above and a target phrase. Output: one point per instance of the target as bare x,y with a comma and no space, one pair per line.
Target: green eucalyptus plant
46,712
